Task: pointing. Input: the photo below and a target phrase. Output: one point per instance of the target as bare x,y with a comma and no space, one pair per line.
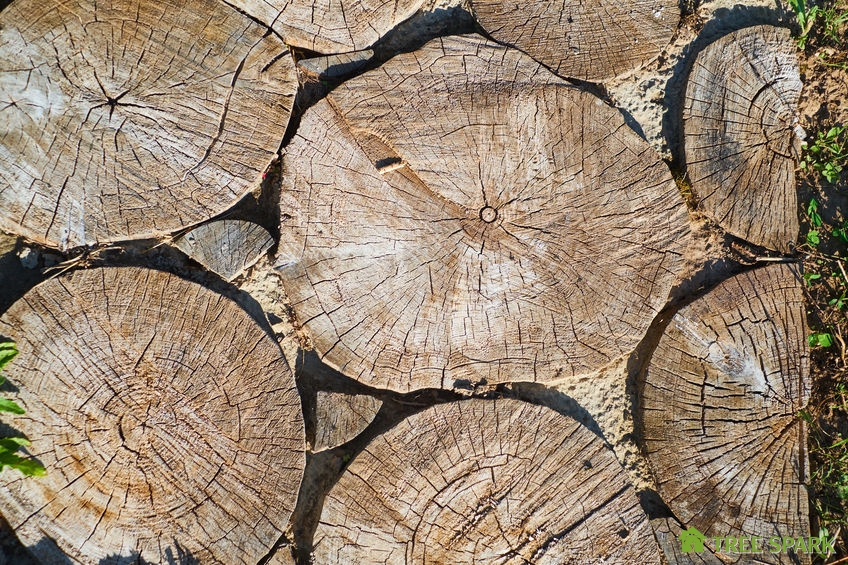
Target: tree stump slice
741,134
585,40
227,247
129,119
165,416
335,26
463,214
341,417
483,481
720,404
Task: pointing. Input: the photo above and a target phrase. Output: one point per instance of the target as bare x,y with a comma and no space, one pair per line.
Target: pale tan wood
593,40
129,118
720,408
335,66
227,247
463,214
330,26
667,532
165,416
742,139
341,417
484,481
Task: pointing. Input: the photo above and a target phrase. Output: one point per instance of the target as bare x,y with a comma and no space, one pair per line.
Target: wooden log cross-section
720,409
330,26
131,118
484,481
463,214
588,40
167,419
227,247
742,136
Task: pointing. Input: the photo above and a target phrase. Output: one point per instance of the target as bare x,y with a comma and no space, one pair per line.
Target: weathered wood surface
130,118
586,40
165,416
341,417
227,247
742,137
667,532
463,214
720,405
483,481
330,26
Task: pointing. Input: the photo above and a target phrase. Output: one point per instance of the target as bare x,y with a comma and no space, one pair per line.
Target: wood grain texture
330,26
741,134
461,213
128,118
720,405
165,416
586,40
341,417
227,247
667,531
484,481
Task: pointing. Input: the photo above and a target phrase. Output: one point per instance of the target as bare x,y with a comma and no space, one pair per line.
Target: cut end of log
227,247
592,40
115,126
741,134
720,404
165,416
483,481
526,235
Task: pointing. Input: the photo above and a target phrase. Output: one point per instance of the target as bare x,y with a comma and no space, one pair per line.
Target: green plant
828,154
820,338
9,446
806,16
834,21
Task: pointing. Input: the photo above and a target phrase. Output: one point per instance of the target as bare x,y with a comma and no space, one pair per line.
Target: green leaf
12,444
8,350
29,467
811,277
820,339
813,238
7,405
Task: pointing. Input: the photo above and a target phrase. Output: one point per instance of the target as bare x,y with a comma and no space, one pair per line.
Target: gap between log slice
720,408
483,481
586,40
742,134
330,26
165,416
129,119
227,247
463,214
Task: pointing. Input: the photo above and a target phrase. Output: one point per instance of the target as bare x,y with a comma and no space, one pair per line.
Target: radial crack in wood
165,416
741,134
586,40
330,26
463,214
341,417
129,118
227,247
720,409
484,481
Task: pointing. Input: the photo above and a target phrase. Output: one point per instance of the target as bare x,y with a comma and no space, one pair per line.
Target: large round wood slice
484,481
720,405
330,26
462,214
742,139
129,118
227,247
592,40
165,416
